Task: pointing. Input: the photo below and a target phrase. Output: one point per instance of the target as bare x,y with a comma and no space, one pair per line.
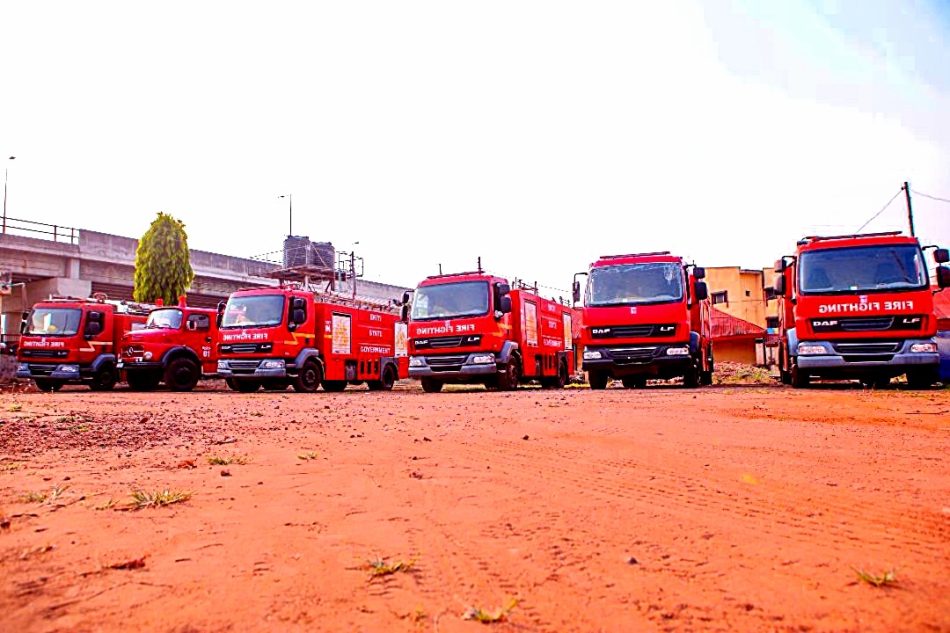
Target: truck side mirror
299,316
504,306
404,313
93,324
702,291
943,277
405,297
298,303
220,314
941,256
780,286
699,272
780,265
576,291
25,322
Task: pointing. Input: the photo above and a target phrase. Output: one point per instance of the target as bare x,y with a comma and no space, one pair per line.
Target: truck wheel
105,378
785,377
430,385
631,382
275,384
597,379
143,380
922,378
691,377
244,386
705,378
386,384
509,377
797,378
334,386
182,374
47,386
308,378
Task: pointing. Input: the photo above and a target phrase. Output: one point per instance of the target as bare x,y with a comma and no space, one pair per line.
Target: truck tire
182,374
597,379
691,377
308,378
47,386
143,380
705,378
244,386
275,384
431,385
386,384
922,378
798,379
105,378
334,386
631,382
510,375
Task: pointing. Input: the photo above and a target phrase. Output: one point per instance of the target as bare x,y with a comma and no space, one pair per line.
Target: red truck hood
150,336
657,314
809,308
492,333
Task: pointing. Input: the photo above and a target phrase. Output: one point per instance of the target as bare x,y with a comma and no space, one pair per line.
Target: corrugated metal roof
725,325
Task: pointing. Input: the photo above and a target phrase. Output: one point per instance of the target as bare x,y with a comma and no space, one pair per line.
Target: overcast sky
538,135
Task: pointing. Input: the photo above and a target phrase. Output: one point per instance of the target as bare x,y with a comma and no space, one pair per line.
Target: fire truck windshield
55,321
862,269
253,311
444,301
633,284
166,319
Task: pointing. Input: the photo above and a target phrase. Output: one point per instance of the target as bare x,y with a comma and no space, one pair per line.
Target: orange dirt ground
725,509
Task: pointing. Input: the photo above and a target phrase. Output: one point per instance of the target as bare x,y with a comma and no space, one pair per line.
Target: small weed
16,406
217,460
307,456
34,551
79,428
379,567
489,617
257,414
108,505
9,467
887,578
45,497
142,499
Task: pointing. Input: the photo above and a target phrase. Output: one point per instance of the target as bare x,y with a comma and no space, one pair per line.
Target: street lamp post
290,202
6,175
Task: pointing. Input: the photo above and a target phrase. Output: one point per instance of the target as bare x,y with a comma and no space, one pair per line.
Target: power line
883,209
927,195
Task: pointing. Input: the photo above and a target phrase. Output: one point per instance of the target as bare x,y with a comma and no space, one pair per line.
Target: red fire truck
275,337
858,306
645,316
177,346
474,328
70,340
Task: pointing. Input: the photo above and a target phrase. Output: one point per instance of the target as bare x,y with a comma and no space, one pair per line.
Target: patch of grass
108,505
12,466
45,497
218,460
887,578
307,456
34,551
489,617
378,567
142,499
16,406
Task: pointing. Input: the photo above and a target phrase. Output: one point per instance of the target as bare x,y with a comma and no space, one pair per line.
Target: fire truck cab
177,345
645,315
858,306
70,340
474,328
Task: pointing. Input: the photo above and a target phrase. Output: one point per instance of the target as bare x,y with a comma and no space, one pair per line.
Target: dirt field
725,509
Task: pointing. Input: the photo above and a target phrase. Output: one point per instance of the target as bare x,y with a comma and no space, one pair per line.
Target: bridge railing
40,230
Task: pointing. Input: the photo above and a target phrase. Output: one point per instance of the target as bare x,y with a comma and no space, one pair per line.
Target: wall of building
746,294
735,350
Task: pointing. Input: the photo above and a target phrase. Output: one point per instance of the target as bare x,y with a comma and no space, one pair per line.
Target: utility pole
6,175
290,202
910,209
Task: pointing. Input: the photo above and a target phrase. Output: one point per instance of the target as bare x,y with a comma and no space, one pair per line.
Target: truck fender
177,352
694,339
306,354
792,336
101,360
509,348
384,362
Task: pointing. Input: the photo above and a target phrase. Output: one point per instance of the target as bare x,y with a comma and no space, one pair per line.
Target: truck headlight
22,367
677,351
69,369
806,349
923,348
223,365
415,361
592,354
272,364
483,359
147,355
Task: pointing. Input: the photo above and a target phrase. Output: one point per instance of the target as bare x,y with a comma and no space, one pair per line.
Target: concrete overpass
56,260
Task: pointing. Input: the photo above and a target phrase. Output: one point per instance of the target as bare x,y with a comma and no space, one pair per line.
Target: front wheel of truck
182,374
430,385
105,378
597,379
510,375
243,386
798,379
922,378
309,377
47,386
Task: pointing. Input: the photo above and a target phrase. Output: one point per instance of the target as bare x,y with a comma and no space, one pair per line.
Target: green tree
162,265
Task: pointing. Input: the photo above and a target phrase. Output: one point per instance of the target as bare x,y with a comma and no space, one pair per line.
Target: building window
720,297
748,293
771,322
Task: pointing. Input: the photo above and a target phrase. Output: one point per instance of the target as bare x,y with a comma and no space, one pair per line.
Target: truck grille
446,363
867,324
42,370
440,342
44,353
633,331
878,347
627,355
245,348
243,366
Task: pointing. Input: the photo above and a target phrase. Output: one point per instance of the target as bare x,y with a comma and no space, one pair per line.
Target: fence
40,230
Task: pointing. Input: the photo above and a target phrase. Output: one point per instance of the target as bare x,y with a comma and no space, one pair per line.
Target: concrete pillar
72,268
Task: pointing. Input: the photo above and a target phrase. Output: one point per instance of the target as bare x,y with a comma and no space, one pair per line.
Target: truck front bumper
855,357
453,367
61,372
143,366
655,361
255,369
